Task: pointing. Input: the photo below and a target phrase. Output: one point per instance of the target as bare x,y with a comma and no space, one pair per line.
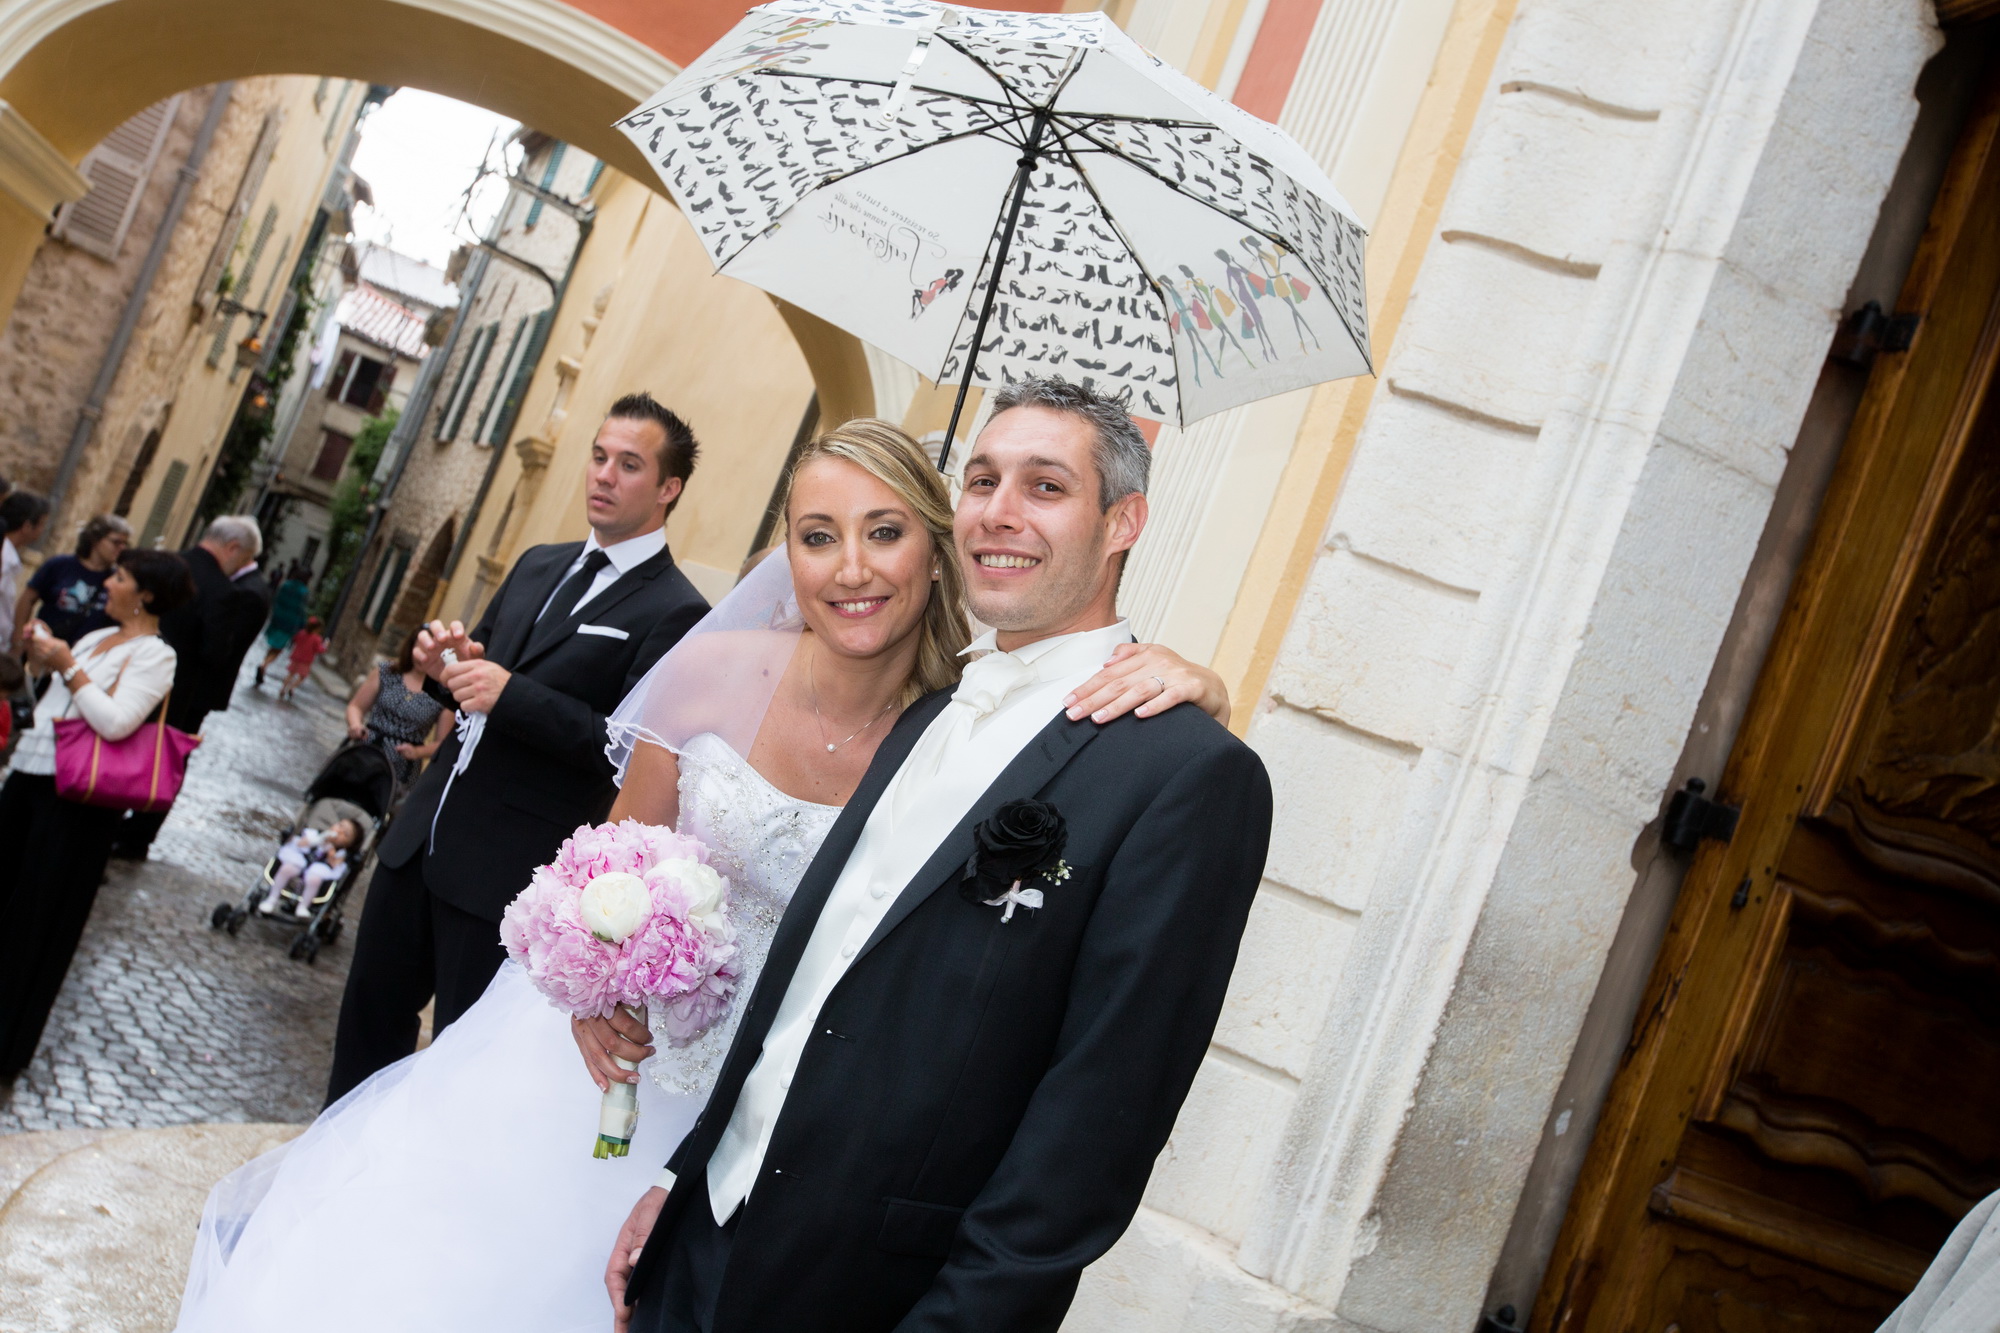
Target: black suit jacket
211,634
540,768
976,1113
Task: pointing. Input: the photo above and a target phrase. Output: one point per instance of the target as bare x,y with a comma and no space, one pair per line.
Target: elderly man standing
571,631
209,637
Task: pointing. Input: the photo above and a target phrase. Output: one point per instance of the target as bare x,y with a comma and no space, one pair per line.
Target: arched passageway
71,71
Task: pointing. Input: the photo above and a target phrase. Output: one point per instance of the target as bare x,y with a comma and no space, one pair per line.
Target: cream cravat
981,690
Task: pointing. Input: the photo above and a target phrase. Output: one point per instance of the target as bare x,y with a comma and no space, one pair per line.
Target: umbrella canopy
879,162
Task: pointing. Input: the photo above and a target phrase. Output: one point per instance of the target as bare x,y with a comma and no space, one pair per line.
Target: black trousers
52,858
135,835
411,946
682,1298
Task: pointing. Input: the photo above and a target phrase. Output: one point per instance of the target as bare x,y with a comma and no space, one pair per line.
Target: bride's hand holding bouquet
627,915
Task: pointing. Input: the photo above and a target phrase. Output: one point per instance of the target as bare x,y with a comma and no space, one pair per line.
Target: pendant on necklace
831,747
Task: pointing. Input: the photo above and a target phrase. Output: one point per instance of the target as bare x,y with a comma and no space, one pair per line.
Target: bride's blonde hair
898,462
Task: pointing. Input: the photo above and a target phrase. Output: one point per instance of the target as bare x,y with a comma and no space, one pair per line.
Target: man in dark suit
569,633
972,1035
209,637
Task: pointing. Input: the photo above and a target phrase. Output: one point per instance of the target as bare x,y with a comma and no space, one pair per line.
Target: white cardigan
148,673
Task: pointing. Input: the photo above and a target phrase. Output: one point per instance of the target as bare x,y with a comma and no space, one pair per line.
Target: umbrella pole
1031,155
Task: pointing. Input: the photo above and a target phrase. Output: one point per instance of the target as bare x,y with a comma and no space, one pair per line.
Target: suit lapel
1039,761
535,591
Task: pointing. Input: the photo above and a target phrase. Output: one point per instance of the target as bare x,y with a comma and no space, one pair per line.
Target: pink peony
678,959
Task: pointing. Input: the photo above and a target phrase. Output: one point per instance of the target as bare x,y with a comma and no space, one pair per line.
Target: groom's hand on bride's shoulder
601,1039
625,1253
1146,679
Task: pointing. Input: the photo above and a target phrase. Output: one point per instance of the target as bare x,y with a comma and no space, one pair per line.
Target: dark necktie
563,605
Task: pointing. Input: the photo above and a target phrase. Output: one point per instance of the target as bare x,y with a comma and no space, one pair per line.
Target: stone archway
71,71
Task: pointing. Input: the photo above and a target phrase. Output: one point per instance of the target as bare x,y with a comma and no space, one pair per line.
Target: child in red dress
307,645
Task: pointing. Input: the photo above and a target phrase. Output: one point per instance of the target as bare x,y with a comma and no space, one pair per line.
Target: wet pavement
164,1021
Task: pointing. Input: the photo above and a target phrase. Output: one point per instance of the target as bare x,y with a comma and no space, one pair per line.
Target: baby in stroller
318,857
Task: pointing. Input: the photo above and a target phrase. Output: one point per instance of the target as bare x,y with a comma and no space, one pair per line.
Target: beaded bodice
761,840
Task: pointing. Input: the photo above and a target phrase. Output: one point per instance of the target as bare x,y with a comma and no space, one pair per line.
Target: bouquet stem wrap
618,1114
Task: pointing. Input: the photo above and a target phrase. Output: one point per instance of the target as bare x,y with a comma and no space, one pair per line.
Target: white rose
705,891
614,905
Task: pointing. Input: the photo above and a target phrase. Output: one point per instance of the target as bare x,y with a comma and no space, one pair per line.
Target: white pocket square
608,631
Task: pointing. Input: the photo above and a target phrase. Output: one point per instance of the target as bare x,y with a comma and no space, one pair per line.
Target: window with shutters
524,371
141,465
548,183
163,504
482,343
488,422
388,582
118,170
332,455
363,382
241,287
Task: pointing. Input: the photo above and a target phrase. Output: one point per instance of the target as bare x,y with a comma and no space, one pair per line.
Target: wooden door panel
1811,1099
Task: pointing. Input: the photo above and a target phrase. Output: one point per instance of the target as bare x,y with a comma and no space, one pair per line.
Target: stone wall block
1502,1047
1548,174
1285,971
1433,492
1165,1276
1373,646
1626,54
1212,1171
1691,529
1495,316
1336,793
1756,358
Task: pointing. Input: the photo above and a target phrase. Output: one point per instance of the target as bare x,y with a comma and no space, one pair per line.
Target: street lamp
251,350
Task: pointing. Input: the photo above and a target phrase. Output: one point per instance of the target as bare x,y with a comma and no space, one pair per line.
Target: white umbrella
863,158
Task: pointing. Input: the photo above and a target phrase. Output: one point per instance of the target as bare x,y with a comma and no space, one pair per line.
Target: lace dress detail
761,840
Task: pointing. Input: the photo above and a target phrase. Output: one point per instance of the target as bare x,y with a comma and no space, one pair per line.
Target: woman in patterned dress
391,709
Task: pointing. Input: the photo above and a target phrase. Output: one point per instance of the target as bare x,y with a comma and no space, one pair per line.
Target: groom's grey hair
1123,458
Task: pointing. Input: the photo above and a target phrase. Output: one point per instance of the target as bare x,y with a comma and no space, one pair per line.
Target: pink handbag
141,772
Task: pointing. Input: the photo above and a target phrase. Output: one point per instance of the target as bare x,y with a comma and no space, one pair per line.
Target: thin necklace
812,690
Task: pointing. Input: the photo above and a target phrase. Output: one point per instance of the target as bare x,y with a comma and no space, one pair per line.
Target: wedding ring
1161,683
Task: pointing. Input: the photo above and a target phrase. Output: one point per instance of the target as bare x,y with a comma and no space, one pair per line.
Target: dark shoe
260,678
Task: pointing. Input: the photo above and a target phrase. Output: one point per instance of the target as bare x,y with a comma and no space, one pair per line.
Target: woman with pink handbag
95,750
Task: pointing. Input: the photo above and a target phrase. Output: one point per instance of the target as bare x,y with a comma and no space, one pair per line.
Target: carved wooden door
1812,1097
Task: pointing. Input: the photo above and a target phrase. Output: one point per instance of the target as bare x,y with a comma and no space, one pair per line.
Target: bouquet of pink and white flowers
626,915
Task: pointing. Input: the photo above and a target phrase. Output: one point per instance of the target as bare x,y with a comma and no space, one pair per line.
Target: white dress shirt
624,555
1003,702
140,670
10,590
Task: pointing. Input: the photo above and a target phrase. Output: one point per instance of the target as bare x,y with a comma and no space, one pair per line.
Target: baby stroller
358,783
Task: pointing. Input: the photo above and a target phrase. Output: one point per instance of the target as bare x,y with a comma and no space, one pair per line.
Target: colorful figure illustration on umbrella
921,297
1246,287
1213,309
1271,277
782,48
1188,321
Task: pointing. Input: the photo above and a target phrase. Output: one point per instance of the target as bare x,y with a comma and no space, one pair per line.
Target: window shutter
500,380
524,369
383,383
118,170
227,324
548,183
163,504
246,191
332,455
489,335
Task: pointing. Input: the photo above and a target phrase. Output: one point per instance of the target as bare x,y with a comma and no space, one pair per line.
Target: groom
949,1088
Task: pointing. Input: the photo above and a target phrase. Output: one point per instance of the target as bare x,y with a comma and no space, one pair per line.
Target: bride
456,1189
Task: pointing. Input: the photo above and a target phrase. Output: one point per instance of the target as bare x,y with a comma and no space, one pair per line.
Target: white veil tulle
720,678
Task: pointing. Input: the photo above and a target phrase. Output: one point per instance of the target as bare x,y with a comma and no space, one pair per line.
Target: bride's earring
937,572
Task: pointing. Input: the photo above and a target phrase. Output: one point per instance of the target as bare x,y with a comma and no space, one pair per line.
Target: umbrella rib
1083,132
884,83
1112,222
839,176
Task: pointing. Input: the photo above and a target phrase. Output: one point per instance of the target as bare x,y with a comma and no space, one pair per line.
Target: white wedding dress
456,1189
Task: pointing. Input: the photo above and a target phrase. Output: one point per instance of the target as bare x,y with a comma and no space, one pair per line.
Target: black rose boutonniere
1022,840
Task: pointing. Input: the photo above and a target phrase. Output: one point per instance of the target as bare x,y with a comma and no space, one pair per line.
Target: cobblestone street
164,1021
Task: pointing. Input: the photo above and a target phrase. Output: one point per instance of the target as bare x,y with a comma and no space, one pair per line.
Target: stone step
96,1226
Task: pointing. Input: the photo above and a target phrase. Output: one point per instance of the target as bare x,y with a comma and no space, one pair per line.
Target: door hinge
1500,1321
1691,817
1868,331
